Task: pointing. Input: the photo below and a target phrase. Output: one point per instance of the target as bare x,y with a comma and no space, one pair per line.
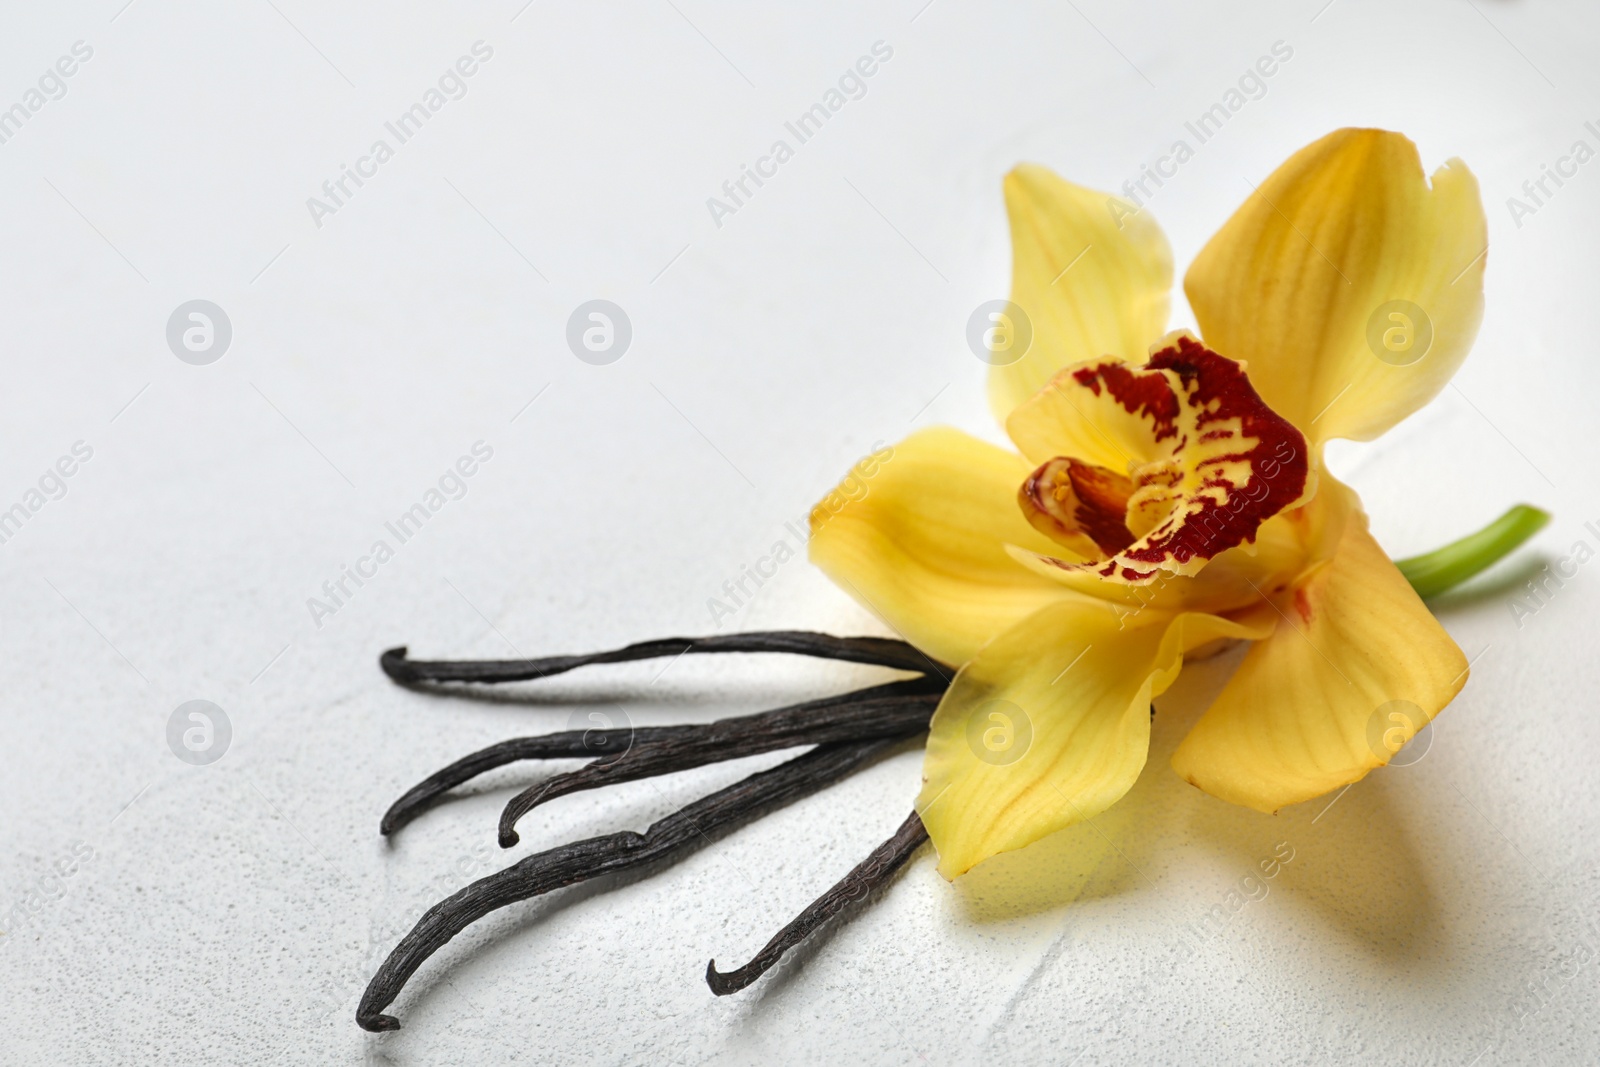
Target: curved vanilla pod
867,876
627,753
895,710
569,864
878,651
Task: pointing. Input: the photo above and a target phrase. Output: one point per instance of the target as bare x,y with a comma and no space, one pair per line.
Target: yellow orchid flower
1170,493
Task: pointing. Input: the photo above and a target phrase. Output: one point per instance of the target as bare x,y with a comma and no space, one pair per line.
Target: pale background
1437,913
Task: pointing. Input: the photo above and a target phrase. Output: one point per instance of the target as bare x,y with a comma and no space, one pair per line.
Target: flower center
1208,463
1079,505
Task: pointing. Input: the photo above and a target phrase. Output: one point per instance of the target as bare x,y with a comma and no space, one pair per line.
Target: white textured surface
232,913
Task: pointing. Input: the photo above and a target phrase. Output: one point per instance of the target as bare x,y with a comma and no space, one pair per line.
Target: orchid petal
1091,272
917,533
1050,724
1357,668
1349,286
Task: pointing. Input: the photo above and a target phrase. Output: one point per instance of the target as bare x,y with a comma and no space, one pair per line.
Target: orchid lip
1219,463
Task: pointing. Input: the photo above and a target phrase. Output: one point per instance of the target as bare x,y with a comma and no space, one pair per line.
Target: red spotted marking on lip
1219,390
1231,462
1128,573
1146,395
1067,500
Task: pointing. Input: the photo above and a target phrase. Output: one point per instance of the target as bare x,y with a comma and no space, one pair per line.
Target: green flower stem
1444,568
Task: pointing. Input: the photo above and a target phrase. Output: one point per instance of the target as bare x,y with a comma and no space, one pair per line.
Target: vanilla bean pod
878,651
893,710
868,875
569,864
628,753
